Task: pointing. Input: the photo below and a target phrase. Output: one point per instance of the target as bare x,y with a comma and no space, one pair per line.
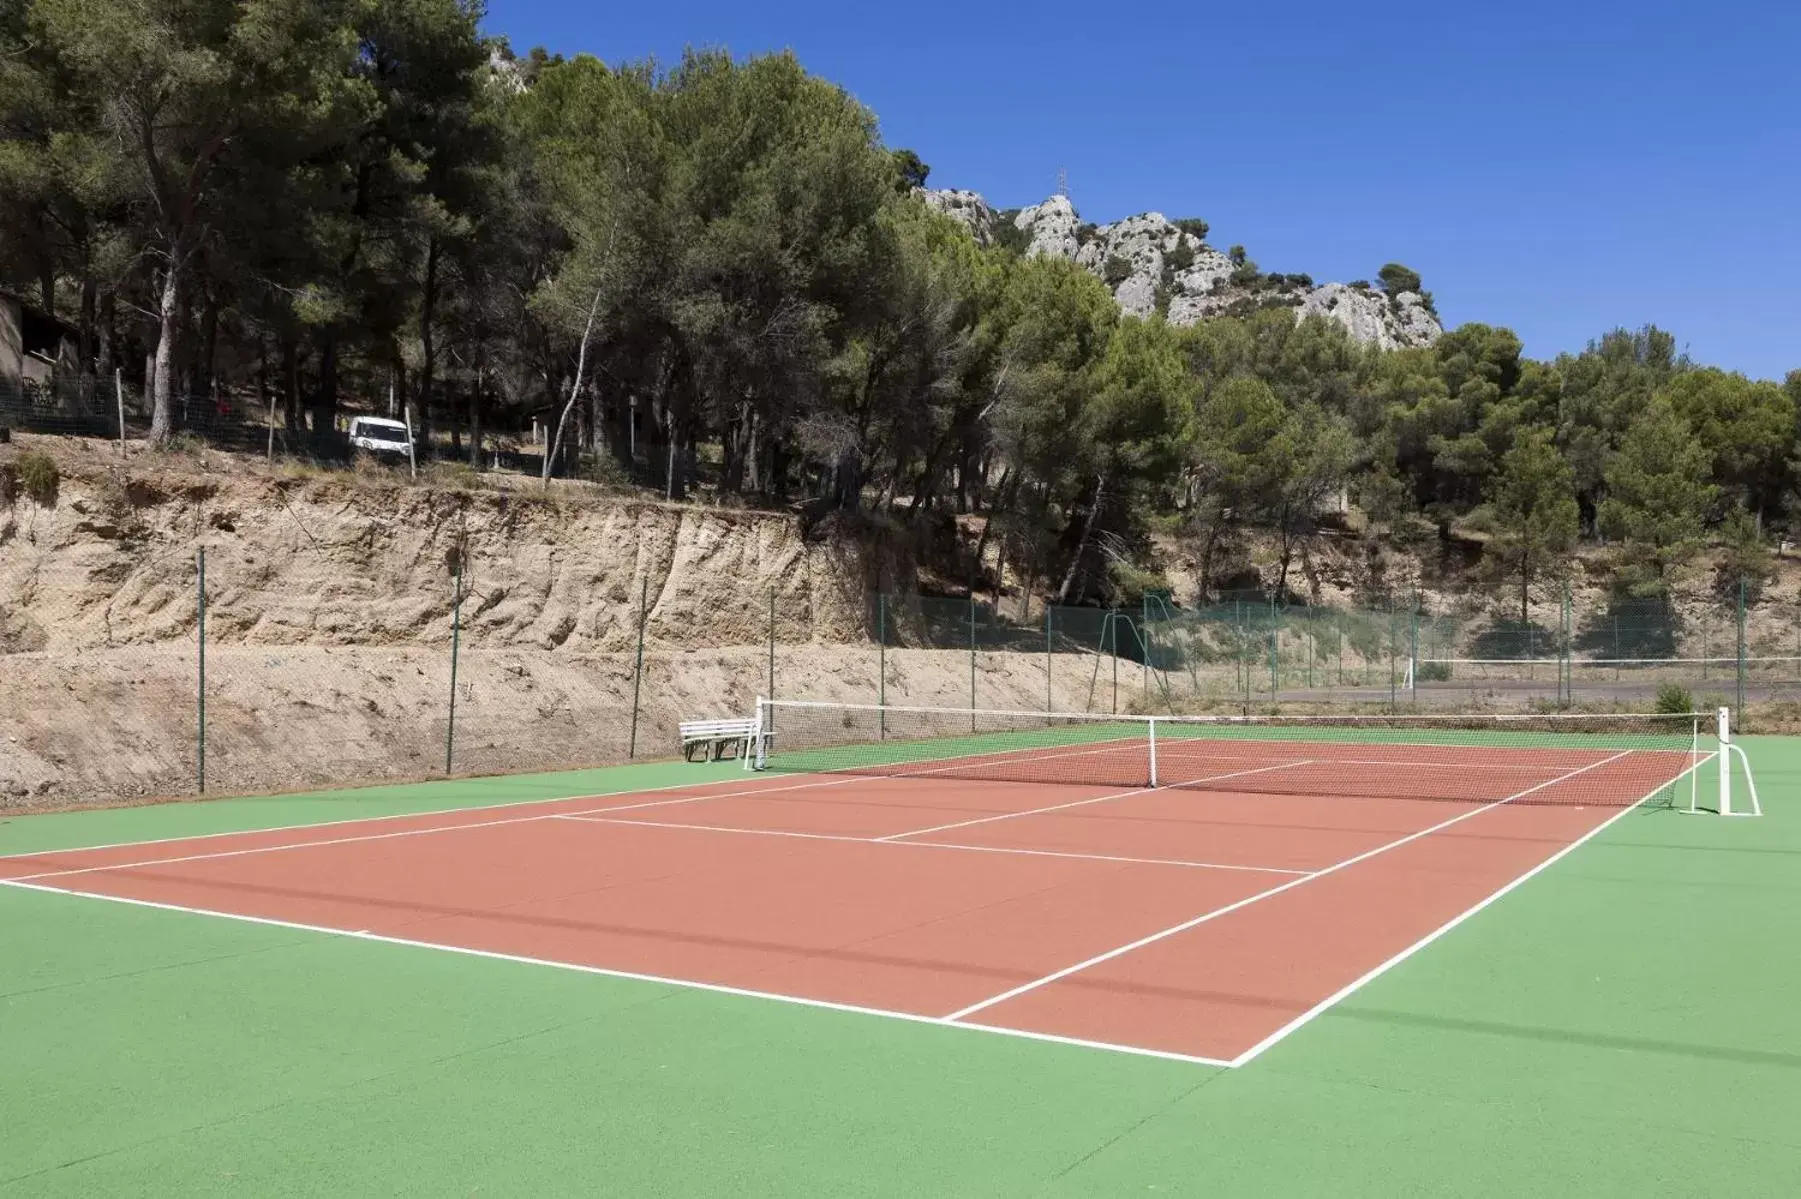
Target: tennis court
1197,894
534,984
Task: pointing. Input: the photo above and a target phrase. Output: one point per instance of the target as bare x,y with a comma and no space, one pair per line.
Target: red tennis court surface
1198,924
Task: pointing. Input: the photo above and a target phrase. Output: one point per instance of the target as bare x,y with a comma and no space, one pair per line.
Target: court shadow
1564,1036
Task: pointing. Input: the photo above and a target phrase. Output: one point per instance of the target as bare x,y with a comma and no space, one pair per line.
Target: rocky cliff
1154,264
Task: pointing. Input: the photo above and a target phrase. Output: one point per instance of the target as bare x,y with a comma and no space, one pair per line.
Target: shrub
1180,258
1359,285
1397,278
39,478
9,484
1674,700
1432,672
1009,236
1117,270
1194,226
1086,233
1237,255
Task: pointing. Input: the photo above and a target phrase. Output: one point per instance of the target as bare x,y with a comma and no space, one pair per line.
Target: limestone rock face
1149,263
1373,317
1053,225
966,207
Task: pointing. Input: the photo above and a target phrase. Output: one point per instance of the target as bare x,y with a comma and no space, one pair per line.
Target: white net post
1694,768
757,758
1153,743
1725,718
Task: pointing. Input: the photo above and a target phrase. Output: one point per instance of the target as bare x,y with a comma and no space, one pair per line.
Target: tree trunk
162,392
85,337
428,345
475,422
325,395
290,381
1075,563
106,351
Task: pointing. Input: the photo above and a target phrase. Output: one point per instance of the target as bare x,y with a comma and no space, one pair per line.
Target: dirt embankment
329,618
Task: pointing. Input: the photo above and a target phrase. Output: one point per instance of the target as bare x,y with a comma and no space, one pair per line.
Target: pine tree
1533,501
1658,495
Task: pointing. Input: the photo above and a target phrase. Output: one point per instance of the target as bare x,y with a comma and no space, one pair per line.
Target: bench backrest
717,728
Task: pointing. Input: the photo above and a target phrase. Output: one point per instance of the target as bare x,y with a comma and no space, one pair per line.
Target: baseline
628,975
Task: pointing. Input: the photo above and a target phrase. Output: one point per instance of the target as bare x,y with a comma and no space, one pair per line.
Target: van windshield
381,433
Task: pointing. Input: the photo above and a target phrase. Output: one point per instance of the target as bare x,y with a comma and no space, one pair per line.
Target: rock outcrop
967,207
1152,264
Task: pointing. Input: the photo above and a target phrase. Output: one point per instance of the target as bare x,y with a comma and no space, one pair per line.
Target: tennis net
1569,759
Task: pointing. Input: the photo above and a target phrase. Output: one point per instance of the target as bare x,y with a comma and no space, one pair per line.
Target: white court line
630,975
833,781
411,832
289,828
1081,803
1216,913
958,762
1000,849
1351,988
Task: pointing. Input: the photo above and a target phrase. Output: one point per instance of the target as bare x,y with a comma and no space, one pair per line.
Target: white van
379,436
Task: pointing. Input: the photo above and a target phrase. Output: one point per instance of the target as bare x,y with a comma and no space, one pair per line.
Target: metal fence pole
1741,653
771,687
1242,637
881,674
1413,655
972,657
1275,650
1311,646
1111,623
1566,669
1050,704
1394,699
456,633
631,750
200,692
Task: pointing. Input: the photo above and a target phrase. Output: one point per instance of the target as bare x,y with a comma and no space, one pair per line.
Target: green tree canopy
1657,499
1532,502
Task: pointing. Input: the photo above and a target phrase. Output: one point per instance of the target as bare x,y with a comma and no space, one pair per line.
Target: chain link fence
206,670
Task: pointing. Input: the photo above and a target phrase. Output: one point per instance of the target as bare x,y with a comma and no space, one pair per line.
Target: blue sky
1558,168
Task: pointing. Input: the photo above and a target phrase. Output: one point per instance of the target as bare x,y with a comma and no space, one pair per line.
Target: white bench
716,736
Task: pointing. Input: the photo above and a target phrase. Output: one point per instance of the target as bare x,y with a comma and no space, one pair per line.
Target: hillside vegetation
716,276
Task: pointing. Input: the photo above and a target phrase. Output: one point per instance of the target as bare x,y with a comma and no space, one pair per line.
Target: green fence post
1706,650
881,673
1311,646
1113,632
1050,704
1144,648
456,630
1394,699
1741,653
638,671
1275,651
972,657
1413,655
200,694
772,652
1566,669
